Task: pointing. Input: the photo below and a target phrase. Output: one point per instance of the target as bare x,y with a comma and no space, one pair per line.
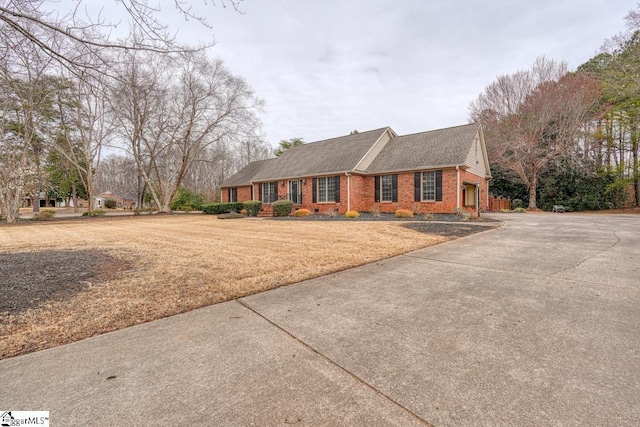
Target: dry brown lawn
69,280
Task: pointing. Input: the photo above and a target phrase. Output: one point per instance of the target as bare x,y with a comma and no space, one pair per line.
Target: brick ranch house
440,171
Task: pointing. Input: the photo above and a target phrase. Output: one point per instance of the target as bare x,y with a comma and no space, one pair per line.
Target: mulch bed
383,217
29,279
452,230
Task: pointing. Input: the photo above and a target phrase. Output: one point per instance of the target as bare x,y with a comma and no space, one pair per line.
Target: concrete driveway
535,323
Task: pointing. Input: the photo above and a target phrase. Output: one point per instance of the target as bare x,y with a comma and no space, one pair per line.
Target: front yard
68,280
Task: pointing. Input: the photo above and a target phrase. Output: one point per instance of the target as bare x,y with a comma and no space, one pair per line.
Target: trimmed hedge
222,208
282,207
252,207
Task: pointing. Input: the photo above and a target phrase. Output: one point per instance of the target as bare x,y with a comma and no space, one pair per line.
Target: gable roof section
437,148
372,152
245,175
335,155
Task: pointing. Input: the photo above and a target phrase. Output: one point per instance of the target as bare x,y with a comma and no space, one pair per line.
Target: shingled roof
245,175
437,148
425,150
331,156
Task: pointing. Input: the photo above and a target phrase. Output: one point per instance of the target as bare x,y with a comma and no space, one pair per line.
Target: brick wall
363,197
244,194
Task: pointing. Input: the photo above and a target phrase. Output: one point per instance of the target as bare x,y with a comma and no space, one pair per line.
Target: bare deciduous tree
83,115
27,115
172,110
533,117
79,40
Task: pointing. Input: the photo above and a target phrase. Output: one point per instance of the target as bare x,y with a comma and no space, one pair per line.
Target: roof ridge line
439,130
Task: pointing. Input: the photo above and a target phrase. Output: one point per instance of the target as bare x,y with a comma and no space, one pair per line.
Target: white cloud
328,67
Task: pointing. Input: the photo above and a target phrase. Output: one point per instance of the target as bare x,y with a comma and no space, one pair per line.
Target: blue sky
327,67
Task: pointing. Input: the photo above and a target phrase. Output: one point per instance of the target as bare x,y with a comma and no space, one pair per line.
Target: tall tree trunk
36,198
74,195
636,171
533,188
11,200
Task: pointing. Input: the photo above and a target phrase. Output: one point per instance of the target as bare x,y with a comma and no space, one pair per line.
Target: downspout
348,190
457,188
478,195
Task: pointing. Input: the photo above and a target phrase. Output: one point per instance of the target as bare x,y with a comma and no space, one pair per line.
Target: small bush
110,204
331,212
516,203
352,214
375,211
252,207
44,215
302,212
429,217
222,208
404,213
97,212
520,210
85,213
282,207
416,208
186,200
136,212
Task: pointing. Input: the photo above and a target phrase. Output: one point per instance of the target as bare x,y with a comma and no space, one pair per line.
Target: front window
386,187
429,186
269,192
233,195
326,189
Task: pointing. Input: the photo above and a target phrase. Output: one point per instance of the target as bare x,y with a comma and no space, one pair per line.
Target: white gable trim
375,149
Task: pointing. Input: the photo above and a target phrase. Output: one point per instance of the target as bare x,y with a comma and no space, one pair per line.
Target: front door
295,191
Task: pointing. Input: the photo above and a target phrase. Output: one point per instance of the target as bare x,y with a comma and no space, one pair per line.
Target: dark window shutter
260,192
416,187
300,191
438,186
275,193
337,198
229,194
394,188
377,193
314,190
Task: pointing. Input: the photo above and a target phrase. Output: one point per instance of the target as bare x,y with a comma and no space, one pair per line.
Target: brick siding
363,194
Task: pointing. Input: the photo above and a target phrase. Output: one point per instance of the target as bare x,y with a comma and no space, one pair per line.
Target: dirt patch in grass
146,268
30,279
450,230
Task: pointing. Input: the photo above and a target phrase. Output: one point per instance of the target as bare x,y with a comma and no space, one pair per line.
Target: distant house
127,201
439,171
82,203
45,201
